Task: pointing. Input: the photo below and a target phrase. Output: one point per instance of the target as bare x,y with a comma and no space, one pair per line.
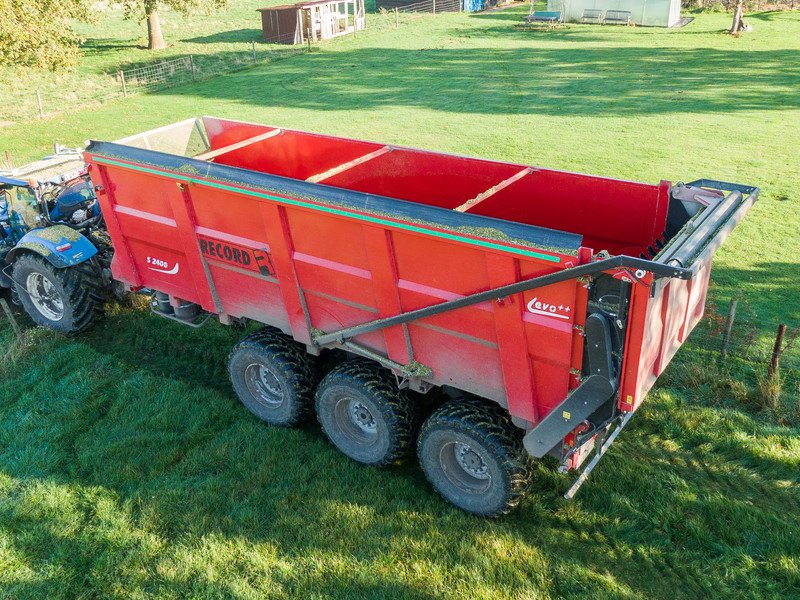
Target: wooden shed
315,19
282,24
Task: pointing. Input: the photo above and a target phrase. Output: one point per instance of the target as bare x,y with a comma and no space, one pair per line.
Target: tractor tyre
273,377
473,456
365,415
66,300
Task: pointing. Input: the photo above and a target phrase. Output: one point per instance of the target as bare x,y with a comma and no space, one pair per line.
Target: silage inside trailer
508,203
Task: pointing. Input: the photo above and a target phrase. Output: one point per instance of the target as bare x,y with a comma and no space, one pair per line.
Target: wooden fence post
728,328
774,362
191,65
124,86
396,19
253,45
39,103
434,7
14,325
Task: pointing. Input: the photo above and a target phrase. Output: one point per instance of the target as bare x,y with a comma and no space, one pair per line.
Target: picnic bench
592,15
618,17
550,17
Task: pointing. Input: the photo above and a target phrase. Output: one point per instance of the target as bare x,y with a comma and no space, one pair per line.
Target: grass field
127,468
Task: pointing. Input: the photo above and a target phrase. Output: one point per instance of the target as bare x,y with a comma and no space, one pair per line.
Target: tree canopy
37,32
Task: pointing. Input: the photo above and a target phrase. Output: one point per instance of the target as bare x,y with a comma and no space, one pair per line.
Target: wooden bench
550,17
592,15
618,17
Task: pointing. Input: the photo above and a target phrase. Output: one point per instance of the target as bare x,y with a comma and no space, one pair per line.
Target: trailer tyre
273,377
473,456
66,300
365,415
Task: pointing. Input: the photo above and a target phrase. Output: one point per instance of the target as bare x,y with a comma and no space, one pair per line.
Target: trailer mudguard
593,392
60,245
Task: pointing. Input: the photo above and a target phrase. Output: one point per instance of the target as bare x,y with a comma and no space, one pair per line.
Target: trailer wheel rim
356,421
465,467
263,385
45,296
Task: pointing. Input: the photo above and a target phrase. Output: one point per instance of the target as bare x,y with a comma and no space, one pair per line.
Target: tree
737,17
148,9
37,33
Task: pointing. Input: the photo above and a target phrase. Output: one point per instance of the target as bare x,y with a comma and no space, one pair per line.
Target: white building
652,13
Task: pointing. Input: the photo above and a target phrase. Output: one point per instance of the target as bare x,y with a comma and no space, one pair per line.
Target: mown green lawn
127,467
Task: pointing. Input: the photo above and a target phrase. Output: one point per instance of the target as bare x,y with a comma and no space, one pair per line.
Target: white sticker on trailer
162,266
547,309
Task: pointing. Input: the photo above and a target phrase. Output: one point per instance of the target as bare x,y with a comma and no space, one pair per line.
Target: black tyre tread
294,362
400,412
491,423
83,287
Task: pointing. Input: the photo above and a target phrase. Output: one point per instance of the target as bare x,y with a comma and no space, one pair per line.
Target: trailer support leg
601,450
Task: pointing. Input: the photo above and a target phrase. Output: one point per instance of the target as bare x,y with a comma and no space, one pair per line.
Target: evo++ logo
162,266
538,307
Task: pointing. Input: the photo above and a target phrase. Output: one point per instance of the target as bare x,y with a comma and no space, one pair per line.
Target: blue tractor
55,255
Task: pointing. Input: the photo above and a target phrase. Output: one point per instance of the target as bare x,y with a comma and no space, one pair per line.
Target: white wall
653,13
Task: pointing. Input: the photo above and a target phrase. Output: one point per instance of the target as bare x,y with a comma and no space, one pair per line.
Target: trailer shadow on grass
563,81
305,519
125,456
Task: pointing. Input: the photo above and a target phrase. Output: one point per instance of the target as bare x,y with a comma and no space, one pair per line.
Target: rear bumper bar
709,229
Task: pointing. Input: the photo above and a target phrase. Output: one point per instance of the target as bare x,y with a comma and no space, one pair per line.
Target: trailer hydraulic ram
537,306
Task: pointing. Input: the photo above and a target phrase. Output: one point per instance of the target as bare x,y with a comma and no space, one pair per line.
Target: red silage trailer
540,305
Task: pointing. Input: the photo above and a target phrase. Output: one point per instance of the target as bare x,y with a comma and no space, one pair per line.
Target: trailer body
556,295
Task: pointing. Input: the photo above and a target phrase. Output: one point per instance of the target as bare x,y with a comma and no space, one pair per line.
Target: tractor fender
62,246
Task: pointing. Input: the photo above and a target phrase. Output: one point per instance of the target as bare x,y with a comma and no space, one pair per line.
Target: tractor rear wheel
365,415
65,300
473,456
273,377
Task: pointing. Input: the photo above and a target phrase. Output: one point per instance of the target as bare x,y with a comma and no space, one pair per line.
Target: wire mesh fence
158,75
423,6
50,100
737,336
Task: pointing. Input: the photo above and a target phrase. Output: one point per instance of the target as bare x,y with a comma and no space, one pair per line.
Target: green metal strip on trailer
331,210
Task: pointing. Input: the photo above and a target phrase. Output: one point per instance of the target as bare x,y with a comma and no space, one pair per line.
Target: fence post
728,328
308,37
11,318
9,162
191,65
396,19
124,86
253,45
434,7
774,362
39,103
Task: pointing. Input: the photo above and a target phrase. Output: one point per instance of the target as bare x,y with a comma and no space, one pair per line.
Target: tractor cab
53,191
18,210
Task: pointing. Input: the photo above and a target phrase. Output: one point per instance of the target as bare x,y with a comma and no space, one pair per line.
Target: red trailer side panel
236,251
